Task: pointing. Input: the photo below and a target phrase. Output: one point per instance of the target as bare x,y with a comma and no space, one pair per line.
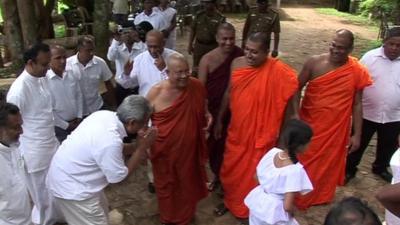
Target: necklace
282,158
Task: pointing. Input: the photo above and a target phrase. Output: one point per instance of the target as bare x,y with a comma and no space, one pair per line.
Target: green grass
363,45
351,18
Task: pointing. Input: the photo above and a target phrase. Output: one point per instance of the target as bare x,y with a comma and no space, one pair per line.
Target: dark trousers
387,144
121,93
61,134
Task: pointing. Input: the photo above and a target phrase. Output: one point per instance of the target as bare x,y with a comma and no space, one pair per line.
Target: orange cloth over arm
258,100
179,155
327,108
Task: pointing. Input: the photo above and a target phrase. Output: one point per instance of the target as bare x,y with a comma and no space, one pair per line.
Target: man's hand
354,143
274,53
190,49
146,137
128,67
159,62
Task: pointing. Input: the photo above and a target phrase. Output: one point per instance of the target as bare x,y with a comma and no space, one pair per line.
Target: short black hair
7,109
33,51
85,40
392,32
351,205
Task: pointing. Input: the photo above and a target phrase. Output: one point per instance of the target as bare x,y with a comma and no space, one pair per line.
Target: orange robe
179,155
327,108
258,100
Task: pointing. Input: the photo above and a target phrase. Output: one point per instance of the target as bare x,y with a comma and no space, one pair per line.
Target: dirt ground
304,33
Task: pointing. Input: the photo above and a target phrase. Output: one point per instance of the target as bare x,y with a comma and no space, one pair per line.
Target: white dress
265,201
395,166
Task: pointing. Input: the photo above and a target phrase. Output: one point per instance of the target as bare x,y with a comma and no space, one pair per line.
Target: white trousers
43,212
92,211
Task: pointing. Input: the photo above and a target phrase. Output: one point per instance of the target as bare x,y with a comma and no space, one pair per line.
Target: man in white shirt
90,70
38,143
149,67
169,15
15,207
66,94
125,46
381,106
92,157
120,10
149,15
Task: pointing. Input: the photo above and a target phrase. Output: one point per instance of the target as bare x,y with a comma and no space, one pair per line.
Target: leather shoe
385,175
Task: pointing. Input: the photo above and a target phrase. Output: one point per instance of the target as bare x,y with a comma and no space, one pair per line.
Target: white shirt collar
381,53
51,74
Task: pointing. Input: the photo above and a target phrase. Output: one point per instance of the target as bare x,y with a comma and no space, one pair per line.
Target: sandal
220,210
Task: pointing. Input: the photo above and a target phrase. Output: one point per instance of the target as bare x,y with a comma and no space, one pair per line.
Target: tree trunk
100,27
45,21
343,5
29,23
12,30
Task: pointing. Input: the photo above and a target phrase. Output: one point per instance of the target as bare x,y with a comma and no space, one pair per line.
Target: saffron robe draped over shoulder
327,108
179,155
217,82
258,99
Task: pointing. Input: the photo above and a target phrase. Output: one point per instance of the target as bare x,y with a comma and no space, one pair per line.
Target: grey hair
134,107
176,57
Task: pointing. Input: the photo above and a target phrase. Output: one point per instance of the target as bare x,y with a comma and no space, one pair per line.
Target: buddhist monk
214,73
331,103
179,153
260,88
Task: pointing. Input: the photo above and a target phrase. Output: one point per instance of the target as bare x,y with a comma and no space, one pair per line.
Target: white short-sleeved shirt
89,159
90,78
66,96
15,207
168,14
155,19
381,100
38,142
145,73
120,54
266,200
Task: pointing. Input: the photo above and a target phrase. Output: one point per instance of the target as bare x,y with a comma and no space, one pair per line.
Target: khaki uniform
205,29
264,22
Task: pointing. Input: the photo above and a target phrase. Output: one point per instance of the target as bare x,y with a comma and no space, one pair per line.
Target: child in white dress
281,177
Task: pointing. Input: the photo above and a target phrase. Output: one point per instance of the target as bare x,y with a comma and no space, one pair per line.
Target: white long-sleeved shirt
89,159
38,142
90,78
381,100
145,73
168,14
120,54
66,96
15,207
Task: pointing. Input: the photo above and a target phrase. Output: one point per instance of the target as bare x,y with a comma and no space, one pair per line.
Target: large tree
12,29
100,26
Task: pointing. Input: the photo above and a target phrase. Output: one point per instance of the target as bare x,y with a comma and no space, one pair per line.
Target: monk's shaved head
262,38
344,33
226,26
155,34
176,58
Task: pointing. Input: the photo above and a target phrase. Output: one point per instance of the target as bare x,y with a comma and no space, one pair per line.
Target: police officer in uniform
203,31
263,19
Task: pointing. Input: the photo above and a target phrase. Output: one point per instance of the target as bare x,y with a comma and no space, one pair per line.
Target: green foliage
59,30
372,7
351,18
